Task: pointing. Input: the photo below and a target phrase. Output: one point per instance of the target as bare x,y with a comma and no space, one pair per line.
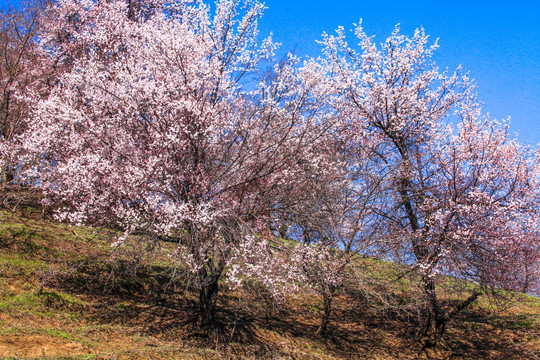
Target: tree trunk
208,293
435,324
7,177
327,310
207,303
7,195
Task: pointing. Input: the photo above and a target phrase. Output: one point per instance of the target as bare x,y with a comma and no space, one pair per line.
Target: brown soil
39,346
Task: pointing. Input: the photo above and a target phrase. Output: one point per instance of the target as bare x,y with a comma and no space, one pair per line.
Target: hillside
65,295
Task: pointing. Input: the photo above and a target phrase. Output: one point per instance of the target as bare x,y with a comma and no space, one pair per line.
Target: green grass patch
64,335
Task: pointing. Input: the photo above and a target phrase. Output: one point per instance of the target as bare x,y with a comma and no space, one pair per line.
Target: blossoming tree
455,194
22,70
151,131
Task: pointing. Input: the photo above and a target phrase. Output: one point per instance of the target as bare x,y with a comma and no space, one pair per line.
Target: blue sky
497,41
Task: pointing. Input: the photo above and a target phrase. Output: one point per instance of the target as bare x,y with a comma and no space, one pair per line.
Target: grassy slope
62,298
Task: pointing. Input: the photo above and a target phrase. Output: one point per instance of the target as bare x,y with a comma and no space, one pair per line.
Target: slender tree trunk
282,230
6,188
435,323
328,296
211,270
207,303
7,177
209,276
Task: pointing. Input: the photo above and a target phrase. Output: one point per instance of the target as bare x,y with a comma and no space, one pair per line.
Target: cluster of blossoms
271,268
319,266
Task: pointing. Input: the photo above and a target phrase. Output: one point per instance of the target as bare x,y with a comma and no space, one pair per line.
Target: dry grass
62,298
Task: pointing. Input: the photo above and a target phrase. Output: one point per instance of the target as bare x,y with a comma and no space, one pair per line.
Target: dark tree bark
328,297
208,294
